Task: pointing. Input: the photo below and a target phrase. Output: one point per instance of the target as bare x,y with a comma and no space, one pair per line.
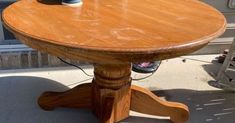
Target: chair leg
144,101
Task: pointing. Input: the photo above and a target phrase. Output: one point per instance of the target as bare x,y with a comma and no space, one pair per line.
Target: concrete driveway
183,79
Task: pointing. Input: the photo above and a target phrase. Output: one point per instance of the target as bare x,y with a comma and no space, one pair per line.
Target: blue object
71,1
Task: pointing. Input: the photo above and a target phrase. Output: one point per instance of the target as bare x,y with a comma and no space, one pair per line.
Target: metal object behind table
231,4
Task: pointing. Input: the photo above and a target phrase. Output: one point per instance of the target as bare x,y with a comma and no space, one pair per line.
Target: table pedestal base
111,97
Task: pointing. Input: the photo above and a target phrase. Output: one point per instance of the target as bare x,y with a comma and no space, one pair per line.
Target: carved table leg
144,101
111,97
111,91
78,97
108,110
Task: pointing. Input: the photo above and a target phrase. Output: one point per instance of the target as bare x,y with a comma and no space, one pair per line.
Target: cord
135,79
184,60
138,79
75,66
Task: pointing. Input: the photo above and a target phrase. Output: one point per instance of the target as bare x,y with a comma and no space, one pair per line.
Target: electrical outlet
231,4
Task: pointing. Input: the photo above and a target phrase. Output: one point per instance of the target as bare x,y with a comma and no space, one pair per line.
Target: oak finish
120,30
111,34
112,102
78,97
112,81
145,101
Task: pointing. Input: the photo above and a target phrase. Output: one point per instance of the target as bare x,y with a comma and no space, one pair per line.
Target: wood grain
146,102
112,81
108,111
132,30
112,34
78,97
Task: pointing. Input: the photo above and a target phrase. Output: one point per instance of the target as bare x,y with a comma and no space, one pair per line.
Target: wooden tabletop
118,26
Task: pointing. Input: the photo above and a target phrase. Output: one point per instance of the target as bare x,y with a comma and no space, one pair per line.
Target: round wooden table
112,34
